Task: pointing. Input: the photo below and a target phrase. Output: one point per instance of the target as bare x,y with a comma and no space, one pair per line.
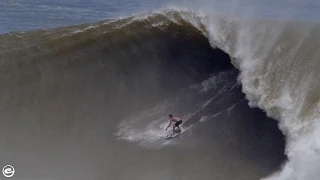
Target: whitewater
279,74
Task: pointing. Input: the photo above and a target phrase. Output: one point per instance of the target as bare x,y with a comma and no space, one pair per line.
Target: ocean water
86,88
21,15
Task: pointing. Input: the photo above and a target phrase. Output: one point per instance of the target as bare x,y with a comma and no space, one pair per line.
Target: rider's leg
176,129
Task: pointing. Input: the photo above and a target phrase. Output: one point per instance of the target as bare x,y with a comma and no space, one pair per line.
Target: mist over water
91,101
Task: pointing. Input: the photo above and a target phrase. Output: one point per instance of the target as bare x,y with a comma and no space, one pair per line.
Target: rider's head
170,116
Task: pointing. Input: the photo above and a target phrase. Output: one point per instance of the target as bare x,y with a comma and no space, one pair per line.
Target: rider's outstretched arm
169,125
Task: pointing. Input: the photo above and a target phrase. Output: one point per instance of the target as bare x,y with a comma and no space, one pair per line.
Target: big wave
278,62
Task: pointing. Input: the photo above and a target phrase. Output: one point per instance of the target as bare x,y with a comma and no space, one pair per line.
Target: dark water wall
64,92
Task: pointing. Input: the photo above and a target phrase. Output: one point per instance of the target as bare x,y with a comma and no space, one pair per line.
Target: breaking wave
134,70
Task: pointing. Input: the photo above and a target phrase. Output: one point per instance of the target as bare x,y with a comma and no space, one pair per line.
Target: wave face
74,93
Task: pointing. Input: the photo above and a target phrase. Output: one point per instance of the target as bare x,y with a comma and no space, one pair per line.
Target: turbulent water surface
90,101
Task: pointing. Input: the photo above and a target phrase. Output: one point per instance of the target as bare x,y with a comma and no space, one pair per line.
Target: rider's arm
169,124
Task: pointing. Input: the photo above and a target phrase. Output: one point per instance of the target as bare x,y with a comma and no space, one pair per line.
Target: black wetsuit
178,123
